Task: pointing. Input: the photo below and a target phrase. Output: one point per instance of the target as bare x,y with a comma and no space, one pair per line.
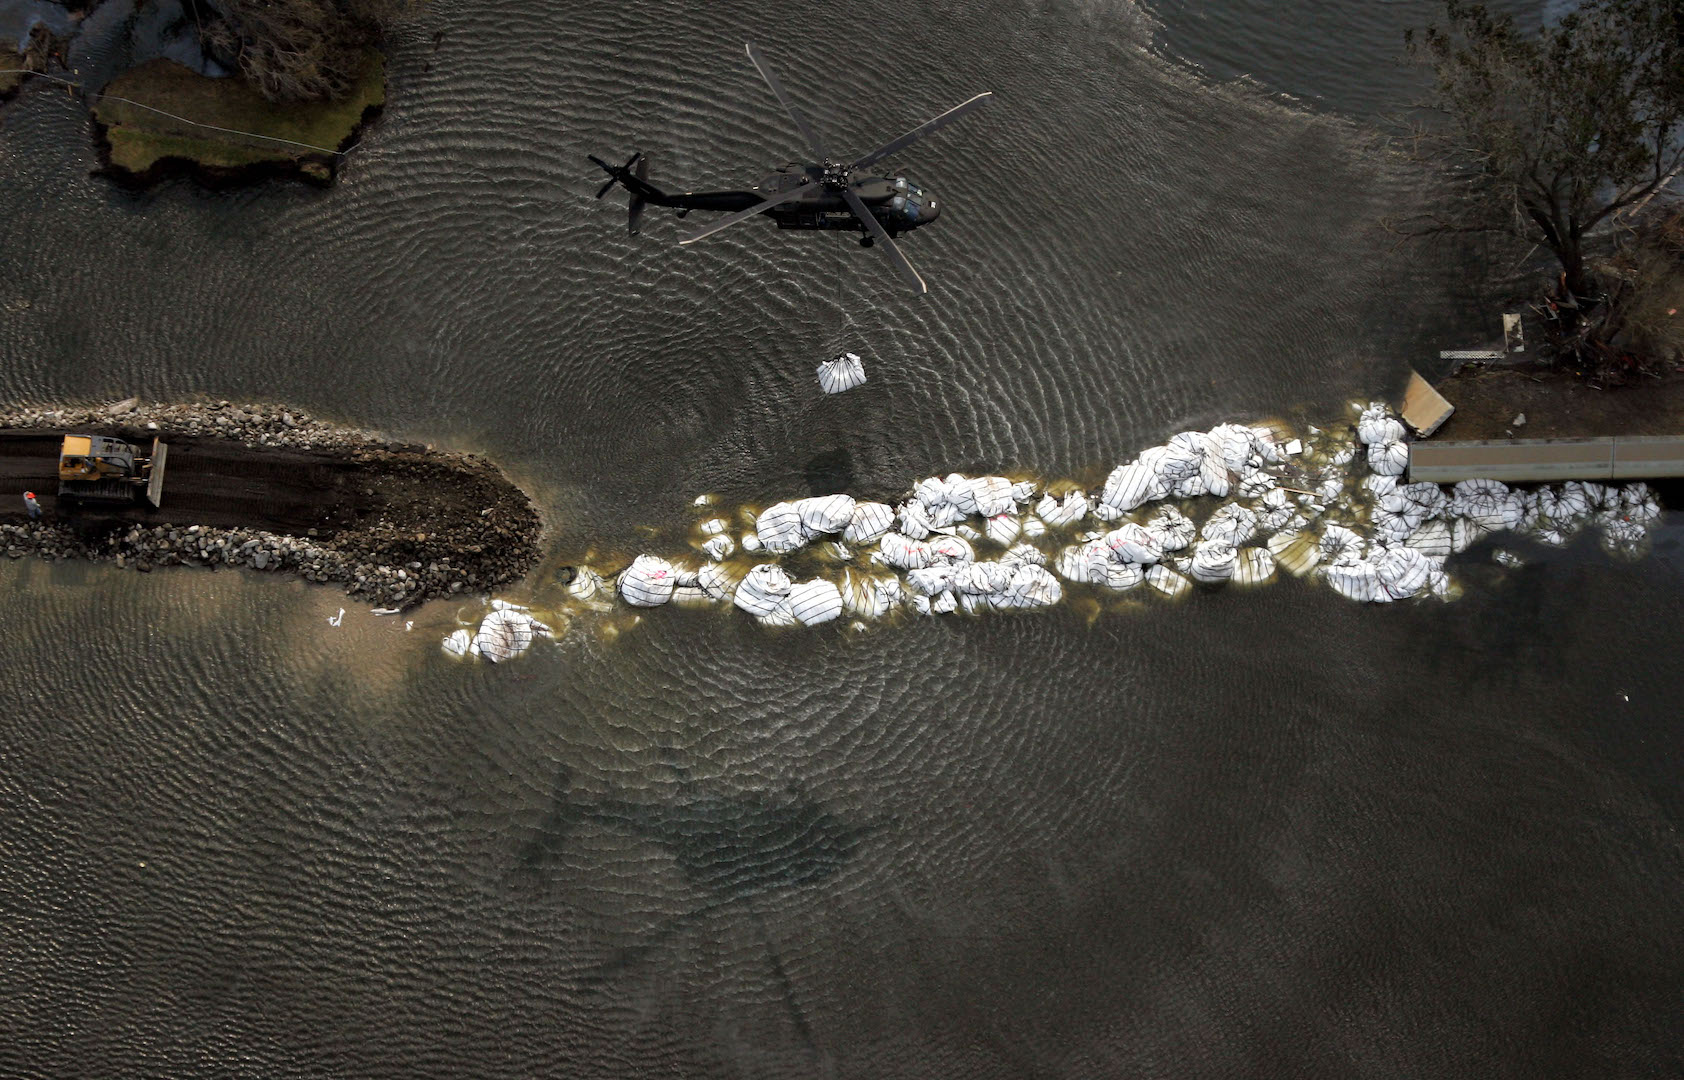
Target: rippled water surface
1255,834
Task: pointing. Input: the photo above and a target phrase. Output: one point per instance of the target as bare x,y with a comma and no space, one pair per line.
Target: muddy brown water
1254,834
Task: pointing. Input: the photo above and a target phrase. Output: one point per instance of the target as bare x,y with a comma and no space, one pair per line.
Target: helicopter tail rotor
634,177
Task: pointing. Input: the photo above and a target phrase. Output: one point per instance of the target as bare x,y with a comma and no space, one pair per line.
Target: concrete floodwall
1548,460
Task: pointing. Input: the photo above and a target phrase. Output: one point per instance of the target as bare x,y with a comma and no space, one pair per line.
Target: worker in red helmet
31,505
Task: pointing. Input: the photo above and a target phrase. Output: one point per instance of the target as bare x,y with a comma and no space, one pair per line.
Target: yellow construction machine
110,470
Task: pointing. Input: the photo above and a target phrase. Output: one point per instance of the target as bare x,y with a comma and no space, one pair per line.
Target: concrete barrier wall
1548,460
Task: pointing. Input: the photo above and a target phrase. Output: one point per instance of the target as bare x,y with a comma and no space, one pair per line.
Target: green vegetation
1555,137
141,139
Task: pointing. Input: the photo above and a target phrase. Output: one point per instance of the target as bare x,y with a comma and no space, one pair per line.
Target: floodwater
1262,833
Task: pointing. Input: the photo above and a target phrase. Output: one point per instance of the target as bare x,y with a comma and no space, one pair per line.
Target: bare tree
299,50
1548,135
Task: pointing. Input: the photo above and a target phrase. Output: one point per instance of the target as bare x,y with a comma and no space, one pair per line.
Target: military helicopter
823,193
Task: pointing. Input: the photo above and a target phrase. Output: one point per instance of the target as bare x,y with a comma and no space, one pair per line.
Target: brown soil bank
1557,405
276,490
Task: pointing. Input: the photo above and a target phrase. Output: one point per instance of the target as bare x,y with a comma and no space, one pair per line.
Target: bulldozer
98,468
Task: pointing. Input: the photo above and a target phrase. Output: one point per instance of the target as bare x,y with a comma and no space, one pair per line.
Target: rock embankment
393,523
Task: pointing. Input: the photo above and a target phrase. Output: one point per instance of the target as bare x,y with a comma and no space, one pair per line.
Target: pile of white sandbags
1330,506
506,631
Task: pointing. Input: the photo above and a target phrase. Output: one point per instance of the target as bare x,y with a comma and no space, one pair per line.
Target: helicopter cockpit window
901,184
898,201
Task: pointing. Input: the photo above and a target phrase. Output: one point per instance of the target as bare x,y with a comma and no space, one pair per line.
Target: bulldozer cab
95,467
95,457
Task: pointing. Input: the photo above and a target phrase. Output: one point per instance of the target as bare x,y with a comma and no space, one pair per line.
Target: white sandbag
1232,444
904,553
1355,580
1402,571
1034,528
1492,510
1624,537
693,596
1133,543
825,514
1083,563
504,634
1107,514
1330,489
1030,587
1130,485
751,542
814,602
1119,577
1214,478
647,582
843,373
982,579
1023,492
780,529
684,575
1167,581
1339,544
458,643
1380,486
966,533
1429,497
1189,487
1379,428
1255,485
585,585
1639,503
991,495
950,549
945,515
914,519
1393,528
1213,561
1059,514
1389,458
870,596
961,494
1297,553
718,580
1024,555
870,521
1173,529
763,589
1232,524
718,548
944,604
1465,533
1004,529
1253,566
779,616
1596,496
930,580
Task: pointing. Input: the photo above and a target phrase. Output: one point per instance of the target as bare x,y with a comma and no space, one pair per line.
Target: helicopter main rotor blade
801,124
743,215
922,130
875,228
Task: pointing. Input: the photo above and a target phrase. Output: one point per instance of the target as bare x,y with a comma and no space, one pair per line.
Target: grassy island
142,145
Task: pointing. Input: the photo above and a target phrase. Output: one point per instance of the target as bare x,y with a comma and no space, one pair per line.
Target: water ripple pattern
1277,834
